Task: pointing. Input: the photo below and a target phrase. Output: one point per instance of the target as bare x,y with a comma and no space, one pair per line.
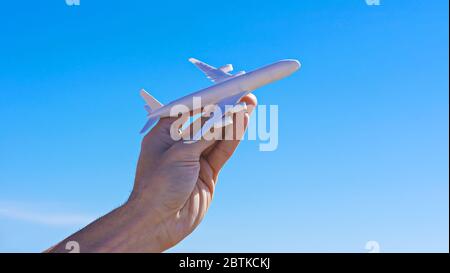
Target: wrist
134,229
126,229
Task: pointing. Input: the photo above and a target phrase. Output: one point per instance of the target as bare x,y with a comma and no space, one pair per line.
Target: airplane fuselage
233,86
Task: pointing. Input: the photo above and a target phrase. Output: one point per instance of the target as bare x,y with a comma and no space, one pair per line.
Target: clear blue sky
363,136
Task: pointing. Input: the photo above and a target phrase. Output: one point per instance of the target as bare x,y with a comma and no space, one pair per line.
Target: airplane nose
291,65
294,64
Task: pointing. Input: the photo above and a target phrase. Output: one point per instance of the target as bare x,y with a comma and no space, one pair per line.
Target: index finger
224,149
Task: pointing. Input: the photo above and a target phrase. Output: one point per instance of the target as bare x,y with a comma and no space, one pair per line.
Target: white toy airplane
227,91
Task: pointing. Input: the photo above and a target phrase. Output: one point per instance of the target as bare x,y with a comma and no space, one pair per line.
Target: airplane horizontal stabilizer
149,124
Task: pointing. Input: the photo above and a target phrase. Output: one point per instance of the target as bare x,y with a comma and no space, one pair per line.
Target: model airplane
227,91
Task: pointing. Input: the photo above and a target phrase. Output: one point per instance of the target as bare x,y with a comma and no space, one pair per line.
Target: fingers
191,151
162,136
224,149
182,151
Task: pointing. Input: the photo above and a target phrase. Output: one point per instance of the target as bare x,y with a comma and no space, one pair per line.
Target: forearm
125,229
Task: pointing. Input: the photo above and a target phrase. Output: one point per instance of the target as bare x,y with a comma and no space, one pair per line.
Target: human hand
173,189
175,181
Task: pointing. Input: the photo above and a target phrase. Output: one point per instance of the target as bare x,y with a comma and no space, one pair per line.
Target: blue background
363,126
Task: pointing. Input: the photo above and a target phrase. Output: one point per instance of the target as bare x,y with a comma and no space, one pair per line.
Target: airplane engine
239,73
226,68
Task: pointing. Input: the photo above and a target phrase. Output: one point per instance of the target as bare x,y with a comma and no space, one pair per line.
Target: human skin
173,189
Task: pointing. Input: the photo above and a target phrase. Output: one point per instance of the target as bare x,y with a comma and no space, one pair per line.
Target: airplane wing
216,75
224,119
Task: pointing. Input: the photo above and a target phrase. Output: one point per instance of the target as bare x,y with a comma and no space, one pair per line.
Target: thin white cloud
16,212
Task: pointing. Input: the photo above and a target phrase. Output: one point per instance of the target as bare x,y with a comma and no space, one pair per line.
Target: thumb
191,151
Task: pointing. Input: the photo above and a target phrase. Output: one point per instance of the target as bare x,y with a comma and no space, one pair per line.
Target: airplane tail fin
152,103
